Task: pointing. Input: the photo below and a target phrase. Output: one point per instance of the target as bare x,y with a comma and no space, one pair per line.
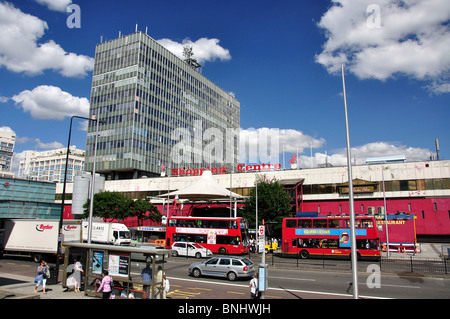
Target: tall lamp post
91,206
65,182
350,188
385,210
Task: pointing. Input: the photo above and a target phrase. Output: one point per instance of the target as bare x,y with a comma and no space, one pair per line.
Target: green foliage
115,205
273,204
143,209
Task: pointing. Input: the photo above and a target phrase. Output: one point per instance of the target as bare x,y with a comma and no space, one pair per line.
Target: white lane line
280,289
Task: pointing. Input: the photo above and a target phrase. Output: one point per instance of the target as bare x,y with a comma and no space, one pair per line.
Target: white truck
36,238
107,233
72,230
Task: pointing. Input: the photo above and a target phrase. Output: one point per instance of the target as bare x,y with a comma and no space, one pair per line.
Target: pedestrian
167,286
252,246
160,284
78,272
41,276
254,289
105,285
146,275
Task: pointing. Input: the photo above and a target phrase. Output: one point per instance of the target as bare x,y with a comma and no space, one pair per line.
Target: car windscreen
124,235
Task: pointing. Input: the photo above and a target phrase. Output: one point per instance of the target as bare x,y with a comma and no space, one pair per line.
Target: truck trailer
35,238
107,233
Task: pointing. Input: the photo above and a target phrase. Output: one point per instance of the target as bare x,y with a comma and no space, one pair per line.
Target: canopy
203,189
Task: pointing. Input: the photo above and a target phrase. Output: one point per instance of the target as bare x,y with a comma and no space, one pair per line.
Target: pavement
426,250
15,286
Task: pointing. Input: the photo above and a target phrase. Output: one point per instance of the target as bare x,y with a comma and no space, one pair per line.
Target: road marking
303,279
275,297
281,289
186,293
398,286
326,293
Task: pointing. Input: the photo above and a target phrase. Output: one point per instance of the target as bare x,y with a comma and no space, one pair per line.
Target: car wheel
196,272
175,253
198,255
37,258
231,276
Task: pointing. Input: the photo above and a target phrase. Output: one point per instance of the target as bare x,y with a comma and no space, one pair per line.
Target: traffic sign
261,231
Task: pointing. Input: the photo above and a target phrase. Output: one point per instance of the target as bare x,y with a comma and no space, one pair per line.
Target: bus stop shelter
117,260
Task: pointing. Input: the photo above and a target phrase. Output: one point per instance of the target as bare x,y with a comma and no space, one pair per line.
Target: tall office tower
157,112
7,142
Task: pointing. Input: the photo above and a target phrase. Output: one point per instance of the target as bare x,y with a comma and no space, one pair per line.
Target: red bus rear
329,236
220,235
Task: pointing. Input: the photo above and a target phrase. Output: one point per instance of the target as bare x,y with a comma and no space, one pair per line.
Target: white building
50,165
7,142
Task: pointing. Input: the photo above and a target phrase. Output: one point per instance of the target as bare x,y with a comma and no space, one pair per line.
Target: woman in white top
254,291
78,271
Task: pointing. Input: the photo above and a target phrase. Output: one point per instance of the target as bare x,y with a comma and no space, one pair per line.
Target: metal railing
405,264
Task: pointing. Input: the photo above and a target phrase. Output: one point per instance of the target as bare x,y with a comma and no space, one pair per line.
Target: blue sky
280,59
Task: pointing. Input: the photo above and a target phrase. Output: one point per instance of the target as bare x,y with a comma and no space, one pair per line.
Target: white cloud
21,52
205,50
50,102
360,153
410,38
7,129
17,157
55,5
47,146
267,144
38,145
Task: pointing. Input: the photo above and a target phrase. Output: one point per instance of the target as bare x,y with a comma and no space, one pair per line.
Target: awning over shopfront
205,188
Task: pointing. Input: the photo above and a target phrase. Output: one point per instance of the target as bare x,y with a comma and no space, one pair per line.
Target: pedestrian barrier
401,264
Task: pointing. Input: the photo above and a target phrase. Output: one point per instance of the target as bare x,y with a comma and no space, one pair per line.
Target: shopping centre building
419,190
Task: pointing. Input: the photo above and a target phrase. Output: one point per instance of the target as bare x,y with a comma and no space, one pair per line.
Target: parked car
190,249
145,257
225,267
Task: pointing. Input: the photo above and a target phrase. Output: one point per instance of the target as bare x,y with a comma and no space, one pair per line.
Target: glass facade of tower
152,102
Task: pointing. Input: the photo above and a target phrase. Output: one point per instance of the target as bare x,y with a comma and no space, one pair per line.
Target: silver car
225,267
145,257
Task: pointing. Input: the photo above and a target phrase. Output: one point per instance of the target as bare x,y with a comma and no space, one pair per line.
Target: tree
143,209
273,204
115,205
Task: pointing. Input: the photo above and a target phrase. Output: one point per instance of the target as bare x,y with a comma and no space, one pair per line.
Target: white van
190,249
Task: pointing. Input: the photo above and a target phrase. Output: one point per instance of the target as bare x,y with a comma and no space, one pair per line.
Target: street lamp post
64,185
352,208
91,206
385,210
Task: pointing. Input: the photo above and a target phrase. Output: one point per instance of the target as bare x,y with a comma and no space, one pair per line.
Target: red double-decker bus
329,236
220,235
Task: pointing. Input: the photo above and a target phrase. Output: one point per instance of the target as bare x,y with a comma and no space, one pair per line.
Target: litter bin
53,280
